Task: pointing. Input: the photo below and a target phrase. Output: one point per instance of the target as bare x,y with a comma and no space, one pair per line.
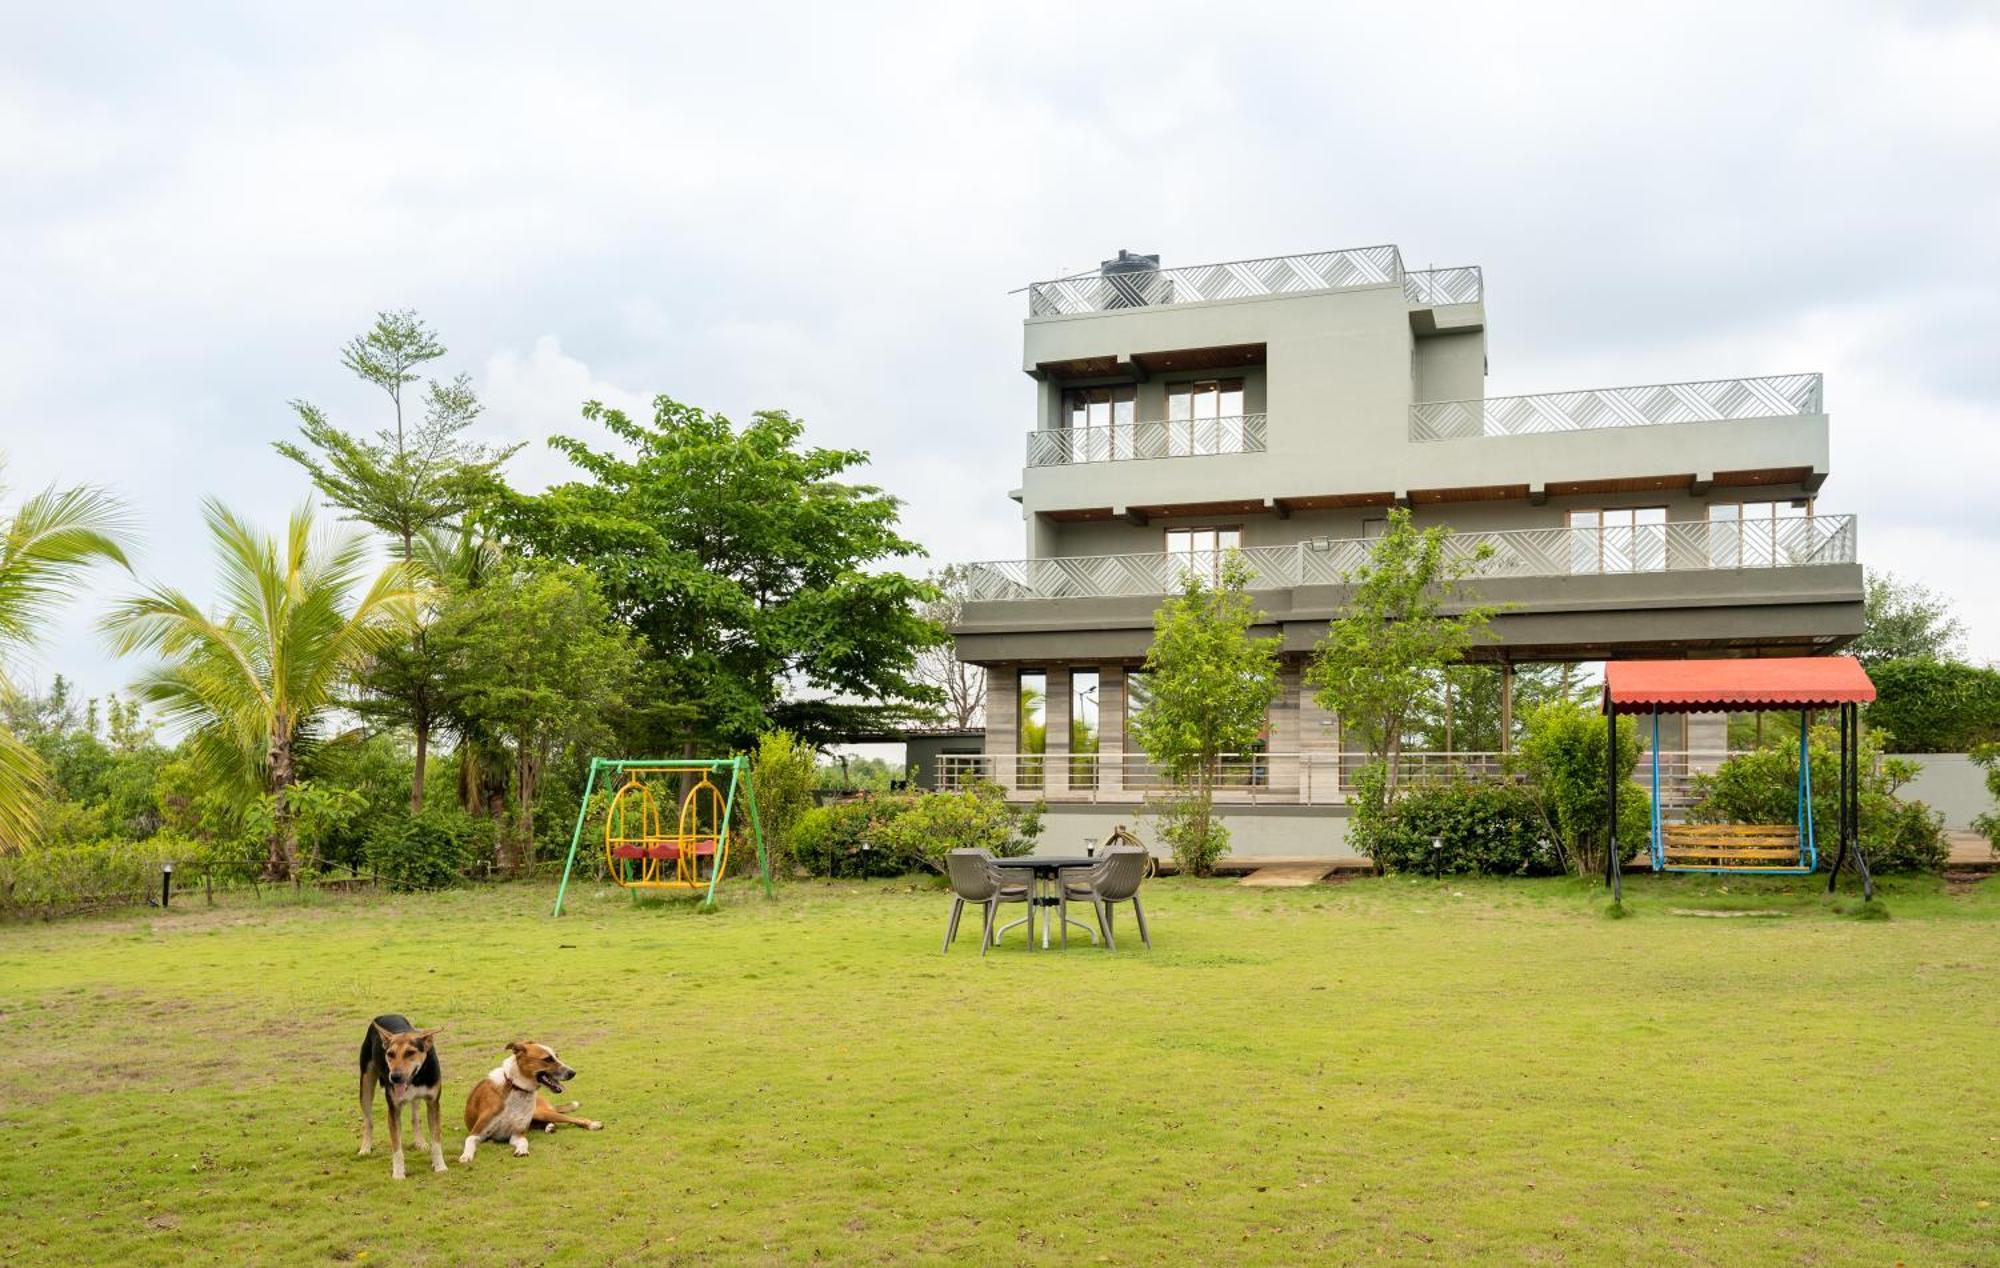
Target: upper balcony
1716,400
1137,281
1123,442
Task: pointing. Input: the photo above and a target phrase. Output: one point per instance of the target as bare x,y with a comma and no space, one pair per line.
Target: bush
1562,758
783,774
1464,828
1932,706
429,850
1988,755
1191,830
1762,786
839,840
56,877
977,818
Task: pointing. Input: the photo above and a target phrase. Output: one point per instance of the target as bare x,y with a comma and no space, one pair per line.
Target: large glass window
1756,534
1034,724
1083,732
1100,422
1619,539
1205,417
1139,770
1200,550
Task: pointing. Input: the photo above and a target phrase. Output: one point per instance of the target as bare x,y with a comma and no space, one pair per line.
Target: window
1205,417
1756,534
1139,771
1034,729
1619,539
1200,551
1373,528
1083,736
1100,422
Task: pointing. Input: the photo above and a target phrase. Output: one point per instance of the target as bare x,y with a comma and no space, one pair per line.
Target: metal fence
1097,292
1692,546
1119,442
1773,396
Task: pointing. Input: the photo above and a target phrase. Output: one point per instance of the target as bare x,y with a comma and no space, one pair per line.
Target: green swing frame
738,768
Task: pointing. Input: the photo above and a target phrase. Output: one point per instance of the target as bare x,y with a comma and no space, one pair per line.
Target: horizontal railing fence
1774,396
1462,285
1173,438
1317,778
1199,283
1794,541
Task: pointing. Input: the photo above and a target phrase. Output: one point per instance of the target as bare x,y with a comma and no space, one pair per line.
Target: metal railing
1773,396
1098,292
1119,442
1699,545
1316,778
1465,284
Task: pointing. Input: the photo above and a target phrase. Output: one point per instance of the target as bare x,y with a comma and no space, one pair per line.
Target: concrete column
1506,706
1003,720
1111,731
1056,768
1041,536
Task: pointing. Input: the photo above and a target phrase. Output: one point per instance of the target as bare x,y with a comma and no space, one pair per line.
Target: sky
827,209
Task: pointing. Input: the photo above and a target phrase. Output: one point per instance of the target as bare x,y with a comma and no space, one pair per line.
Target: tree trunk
282,848
524,775
420,722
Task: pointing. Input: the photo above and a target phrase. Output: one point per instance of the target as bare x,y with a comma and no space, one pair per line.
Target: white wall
1951,784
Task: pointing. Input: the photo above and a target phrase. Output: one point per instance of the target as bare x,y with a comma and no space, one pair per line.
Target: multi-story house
1279,408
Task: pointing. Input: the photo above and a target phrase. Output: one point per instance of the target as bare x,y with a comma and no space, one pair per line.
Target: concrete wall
1952,785
1254,831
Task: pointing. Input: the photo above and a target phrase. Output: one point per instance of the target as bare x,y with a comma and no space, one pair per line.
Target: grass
1404,1069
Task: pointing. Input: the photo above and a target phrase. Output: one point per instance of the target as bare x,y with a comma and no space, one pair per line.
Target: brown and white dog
507,1102
404,1061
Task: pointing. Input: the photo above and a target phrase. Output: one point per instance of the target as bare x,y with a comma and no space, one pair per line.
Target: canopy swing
1716,686
640,854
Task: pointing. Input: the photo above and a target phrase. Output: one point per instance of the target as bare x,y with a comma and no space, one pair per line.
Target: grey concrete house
1278,407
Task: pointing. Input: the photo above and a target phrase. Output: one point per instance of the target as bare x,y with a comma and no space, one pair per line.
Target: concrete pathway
1290,875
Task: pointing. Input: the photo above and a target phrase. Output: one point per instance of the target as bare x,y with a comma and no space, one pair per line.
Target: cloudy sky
825,208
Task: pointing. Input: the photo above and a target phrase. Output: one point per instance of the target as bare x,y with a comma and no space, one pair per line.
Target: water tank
1131,280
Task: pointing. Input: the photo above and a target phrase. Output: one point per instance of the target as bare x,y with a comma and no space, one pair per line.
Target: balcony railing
1462,285
1775,396
1796,541
1200,283
1118,442
1320,778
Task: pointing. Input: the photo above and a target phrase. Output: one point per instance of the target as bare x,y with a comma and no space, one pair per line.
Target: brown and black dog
507,1102
404,1061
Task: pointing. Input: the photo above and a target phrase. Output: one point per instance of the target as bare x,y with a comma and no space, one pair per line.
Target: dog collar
510,1072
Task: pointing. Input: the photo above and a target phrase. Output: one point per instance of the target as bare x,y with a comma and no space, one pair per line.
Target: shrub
1988,755
977,818
1762,786
783,773
1562,758
1191,830
56,877
429,850
839,840
1462,827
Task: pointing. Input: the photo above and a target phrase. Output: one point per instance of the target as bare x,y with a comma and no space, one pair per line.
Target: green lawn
1402,1069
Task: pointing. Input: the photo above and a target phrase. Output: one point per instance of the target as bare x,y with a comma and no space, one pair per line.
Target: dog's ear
381,1036
424,1037
518,1048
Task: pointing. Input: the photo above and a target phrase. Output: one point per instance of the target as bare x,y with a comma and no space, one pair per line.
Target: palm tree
251,683
45,547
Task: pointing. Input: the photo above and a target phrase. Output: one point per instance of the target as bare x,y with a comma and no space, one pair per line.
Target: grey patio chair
975,880
1114,878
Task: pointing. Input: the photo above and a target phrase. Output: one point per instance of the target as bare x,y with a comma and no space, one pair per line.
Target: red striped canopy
1715,686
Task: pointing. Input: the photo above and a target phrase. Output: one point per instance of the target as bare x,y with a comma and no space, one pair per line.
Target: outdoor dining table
1047,892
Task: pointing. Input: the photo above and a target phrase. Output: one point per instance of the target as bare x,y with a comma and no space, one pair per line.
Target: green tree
783,773
1211,686
251,684
753,573
1394,638
1935,706
533,663
1903,620
1987,822
46,546
412,479
1563,759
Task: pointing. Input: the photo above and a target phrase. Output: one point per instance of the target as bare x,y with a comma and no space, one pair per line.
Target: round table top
1046,862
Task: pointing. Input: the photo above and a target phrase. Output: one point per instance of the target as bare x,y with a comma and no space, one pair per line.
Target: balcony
1719,400
1120,442
1695,546
1101,292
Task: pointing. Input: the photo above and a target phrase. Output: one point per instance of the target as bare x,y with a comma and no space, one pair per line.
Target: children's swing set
640,853
1805,683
